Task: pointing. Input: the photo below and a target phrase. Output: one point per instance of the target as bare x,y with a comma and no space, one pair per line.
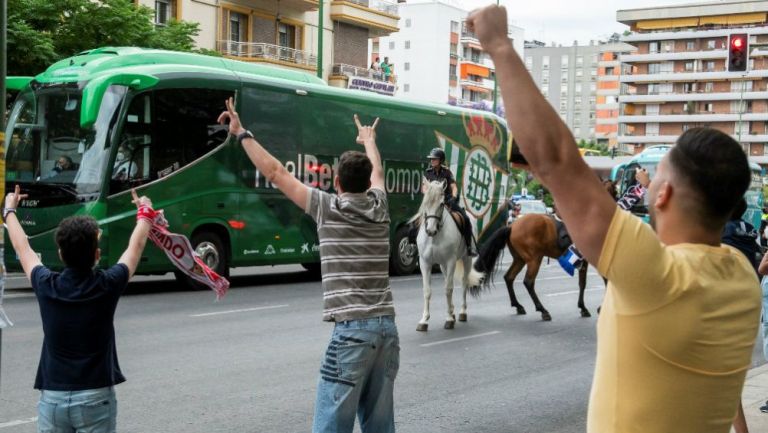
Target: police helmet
437,153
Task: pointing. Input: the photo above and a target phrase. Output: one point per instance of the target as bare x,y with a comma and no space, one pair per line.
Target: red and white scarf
180,251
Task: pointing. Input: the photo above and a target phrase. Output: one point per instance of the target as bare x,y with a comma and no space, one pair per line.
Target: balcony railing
379,5
357,71
260,50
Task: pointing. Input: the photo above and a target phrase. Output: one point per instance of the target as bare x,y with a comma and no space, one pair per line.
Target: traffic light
738,47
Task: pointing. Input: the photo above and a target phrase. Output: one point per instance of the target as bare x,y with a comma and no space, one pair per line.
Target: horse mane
432,197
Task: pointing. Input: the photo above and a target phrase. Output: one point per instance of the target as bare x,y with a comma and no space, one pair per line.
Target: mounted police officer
439,172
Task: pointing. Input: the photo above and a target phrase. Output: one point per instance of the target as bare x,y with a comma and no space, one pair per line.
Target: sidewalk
755,395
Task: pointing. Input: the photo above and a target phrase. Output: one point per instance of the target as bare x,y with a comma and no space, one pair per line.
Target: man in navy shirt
78,362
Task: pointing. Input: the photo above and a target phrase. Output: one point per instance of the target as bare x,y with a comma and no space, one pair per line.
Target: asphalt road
249,363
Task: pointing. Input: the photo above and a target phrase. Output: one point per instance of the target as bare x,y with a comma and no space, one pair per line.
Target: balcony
268,53
302,5
680,55
477,86
693,96
378,16
359,78
692,76
668,139
692,34
694,117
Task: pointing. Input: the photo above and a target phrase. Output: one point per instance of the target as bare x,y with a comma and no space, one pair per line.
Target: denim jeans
87,411
357,377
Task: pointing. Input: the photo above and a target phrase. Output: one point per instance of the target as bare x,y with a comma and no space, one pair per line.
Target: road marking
570,292
451,340
18,422
268,307
19,295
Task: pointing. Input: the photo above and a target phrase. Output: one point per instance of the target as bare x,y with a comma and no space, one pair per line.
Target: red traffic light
737,42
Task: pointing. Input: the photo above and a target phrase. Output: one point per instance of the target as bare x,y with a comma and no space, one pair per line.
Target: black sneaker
764,408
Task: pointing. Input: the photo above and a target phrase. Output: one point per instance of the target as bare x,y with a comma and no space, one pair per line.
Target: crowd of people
385,68
674,337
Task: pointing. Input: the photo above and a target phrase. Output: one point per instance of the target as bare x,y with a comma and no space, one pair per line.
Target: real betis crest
482,182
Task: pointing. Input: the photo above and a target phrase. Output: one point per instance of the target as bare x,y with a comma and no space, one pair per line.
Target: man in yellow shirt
680,316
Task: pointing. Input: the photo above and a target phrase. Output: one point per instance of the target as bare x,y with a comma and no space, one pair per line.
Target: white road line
18,422
268,307
19,295
570,292
451,340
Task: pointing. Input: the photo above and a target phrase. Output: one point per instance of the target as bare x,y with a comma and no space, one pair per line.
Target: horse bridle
438,216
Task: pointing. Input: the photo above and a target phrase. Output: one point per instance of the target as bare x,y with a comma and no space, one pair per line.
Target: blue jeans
87,411
357,377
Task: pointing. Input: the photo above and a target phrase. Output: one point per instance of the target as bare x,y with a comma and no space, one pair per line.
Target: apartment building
435,57
607,96
285,33
678,78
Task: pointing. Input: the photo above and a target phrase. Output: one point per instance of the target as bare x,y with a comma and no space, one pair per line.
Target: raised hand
140,201
13,198
489,24
642,176
235,127
365,133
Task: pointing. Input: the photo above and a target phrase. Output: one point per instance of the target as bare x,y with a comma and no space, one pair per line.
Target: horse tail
481,274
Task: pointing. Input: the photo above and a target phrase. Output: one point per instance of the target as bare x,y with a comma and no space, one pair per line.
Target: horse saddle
563,238
458,218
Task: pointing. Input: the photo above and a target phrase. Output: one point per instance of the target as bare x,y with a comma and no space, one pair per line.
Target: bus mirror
95,89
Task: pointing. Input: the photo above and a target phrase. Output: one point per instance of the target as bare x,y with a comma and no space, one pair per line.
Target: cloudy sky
563,21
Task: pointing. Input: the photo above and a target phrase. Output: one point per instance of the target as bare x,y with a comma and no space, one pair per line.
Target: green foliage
41,32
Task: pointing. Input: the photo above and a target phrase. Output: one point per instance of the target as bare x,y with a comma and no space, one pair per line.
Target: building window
407,22
286,35
451,72
689,66
563,106
690,45
709,66
579,60
654,68
406,88
577,130
564,61
545,62
577,88
653,47
454,26
594,59
391,45
564,88
545,91
668,46
407,45
592,87
407,66
709,87
236,31
577,100
529,63
593,72
609,70
454,50
579,72
592,103
165,10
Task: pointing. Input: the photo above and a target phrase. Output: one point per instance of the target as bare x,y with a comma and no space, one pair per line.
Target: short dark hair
739,210
716,168
78,238
354,171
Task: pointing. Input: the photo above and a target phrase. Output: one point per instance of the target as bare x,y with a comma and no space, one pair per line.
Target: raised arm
268,165
132,254
27,256
545,140
366,135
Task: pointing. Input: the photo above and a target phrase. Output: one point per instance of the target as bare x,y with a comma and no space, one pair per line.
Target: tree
41,32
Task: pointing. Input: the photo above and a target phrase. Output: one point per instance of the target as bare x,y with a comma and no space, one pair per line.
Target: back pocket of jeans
98,413
354,355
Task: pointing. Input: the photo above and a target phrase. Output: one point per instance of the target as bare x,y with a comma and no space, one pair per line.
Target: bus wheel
211,250
400,261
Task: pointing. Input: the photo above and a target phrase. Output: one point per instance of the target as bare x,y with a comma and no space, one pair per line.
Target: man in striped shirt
359,367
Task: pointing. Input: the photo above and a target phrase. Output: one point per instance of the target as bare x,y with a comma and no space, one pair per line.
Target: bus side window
186,127
131,167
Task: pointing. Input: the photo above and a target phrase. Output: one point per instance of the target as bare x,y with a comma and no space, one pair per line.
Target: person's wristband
145,213
8,210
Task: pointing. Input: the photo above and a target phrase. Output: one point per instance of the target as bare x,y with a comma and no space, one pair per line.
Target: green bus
146,119
13,85
624,175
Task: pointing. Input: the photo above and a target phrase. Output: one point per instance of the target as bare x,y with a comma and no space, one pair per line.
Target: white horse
440,242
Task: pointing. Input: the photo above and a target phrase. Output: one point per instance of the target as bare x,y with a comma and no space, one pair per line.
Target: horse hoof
585,313
521,311
462,317
546,317
422,327
449,324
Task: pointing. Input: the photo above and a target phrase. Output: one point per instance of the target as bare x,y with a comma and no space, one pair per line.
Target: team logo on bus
479,181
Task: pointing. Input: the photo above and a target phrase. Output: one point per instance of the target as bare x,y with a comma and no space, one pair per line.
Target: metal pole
3,73
495,81
320,41
741,106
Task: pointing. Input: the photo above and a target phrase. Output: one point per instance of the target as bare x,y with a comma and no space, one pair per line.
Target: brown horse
530,238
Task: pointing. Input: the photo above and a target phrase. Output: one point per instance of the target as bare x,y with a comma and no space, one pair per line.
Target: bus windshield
47,149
